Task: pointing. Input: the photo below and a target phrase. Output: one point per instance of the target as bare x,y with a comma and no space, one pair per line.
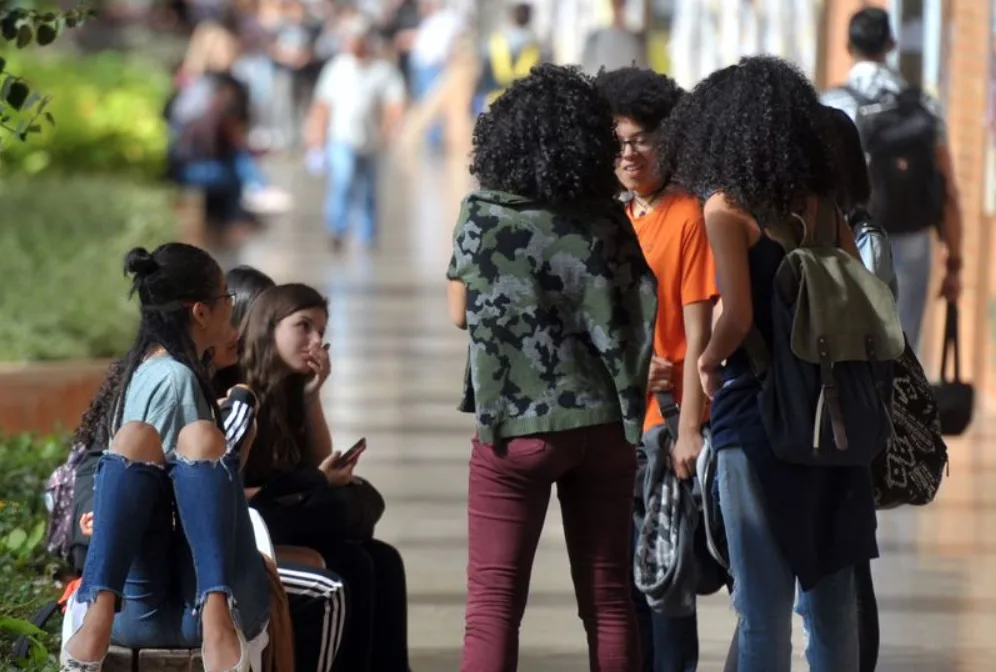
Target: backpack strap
829,400
791,235
669,411
858,97
827,233
24,643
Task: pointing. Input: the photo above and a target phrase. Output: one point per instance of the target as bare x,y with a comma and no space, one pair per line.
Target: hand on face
320,364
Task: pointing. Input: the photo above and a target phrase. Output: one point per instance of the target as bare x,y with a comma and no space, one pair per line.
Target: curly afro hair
640,94
550,137
755,131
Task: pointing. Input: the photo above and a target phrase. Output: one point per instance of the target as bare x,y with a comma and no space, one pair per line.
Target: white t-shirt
358,91
435,38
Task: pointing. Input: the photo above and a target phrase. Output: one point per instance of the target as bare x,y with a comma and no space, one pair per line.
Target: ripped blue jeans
164,537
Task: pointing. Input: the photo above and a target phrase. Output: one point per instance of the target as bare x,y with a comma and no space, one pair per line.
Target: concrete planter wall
46,397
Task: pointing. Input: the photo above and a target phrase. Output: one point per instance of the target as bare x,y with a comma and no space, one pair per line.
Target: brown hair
281,441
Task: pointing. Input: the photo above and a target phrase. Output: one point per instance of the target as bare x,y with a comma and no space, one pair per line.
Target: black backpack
899,135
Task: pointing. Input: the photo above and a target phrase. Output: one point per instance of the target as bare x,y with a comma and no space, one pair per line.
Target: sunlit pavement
397,367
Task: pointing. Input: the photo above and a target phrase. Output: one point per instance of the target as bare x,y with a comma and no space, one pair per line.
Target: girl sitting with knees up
316,597
173,561
304,490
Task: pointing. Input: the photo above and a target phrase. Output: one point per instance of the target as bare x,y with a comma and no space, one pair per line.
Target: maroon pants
594,469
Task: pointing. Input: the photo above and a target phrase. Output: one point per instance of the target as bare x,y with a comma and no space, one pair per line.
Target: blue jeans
765,588
424,80
223,182
669,644
241,171
911,256
163,572
352,192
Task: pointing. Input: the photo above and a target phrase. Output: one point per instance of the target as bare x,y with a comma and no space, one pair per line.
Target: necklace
645,205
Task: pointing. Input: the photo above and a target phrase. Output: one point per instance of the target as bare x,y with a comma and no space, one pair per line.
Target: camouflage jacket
561,307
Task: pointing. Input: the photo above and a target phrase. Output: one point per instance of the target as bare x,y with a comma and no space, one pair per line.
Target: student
751,138
357,110
557,374
316,596
907,204
672,234
147,583
297,483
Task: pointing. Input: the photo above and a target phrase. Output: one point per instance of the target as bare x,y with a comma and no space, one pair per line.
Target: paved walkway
397,366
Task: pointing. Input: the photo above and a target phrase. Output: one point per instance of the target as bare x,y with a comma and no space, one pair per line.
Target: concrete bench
153,660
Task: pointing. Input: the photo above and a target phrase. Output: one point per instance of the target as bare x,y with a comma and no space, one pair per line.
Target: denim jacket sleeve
876,253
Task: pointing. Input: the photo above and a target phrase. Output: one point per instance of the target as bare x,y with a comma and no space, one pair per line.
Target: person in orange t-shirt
672,232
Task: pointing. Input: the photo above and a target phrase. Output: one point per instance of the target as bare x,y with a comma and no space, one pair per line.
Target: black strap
670,411
859,97
951,344
22,646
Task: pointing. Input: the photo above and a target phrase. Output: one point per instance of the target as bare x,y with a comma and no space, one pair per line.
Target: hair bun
139,262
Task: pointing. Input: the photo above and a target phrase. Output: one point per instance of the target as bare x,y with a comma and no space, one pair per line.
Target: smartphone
352,454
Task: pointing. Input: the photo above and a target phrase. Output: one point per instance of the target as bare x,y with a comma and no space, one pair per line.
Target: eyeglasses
228,296
640,143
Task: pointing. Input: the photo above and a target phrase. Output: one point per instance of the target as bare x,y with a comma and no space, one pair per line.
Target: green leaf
17,93
30,102
46,34
49,118
24,36
15,540
19,626
38,531
38,652
8,27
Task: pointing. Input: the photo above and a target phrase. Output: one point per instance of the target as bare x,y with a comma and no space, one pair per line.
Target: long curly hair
755,131
640,94
281,440
550,137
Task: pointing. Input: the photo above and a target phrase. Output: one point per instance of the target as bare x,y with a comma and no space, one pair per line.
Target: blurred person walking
358,106
508,55
615,46
912,175
431,51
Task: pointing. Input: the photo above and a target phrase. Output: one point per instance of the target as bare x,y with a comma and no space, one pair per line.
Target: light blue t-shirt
164,393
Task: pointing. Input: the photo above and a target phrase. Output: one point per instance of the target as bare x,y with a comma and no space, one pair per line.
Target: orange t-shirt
674,242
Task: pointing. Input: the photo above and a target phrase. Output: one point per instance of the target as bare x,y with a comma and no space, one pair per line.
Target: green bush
107,110
27,570
63,295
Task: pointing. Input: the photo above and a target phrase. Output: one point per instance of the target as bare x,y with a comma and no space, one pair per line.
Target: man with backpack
905,141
